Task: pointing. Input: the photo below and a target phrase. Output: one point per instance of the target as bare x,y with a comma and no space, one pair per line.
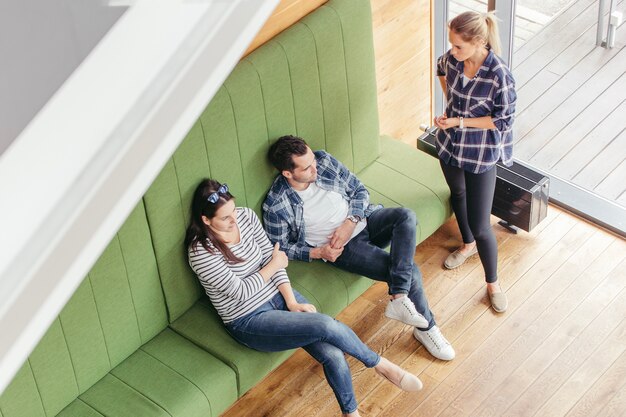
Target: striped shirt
238,289
283,209
490,93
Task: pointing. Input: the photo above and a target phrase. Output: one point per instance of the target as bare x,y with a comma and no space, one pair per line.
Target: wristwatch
354,219
461,122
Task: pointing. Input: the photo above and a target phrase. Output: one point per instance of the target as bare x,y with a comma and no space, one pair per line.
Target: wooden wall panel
286,14
402,44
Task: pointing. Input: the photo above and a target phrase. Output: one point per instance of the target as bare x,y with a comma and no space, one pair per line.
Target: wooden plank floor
571,96
560,349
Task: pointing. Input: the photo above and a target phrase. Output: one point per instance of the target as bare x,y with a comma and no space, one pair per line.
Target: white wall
41,43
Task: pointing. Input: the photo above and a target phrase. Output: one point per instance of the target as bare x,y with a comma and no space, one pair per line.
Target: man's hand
302,308
341,235
331,254
326,252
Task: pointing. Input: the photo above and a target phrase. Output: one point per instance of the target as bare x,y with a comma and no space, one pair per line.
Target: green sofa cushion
201,325
216,380
79,409
21,397
334,288
118,307
406,177
116,398
167,376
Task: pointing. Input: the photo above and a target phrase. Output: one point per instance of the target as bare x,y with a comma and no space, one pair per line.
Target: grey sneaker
456,258
435,343
403,309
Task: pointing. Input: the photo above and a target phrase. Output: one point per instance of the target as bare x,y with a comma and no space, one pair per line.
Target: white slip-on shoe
435,343
403,309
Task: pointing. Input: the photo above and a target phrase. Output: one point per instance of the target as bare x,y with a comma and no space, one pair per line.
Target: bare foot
352,414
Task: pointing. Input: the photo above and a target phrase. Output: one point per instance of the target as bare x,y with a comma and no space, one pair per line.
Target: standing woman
474,133
245,279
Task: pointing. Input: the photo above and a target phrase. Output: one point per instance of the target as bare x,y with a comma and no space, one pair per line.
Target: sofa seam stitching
175,371
413,179
293,99
95,302
180,197
69,353
90,406
140,393
232,365
32,372
130,290
258,76
319,78
241,164
400,205
204,141
345,67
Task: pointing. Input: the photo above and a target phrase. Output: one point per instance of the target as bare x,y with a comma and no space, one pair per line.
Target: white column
505,11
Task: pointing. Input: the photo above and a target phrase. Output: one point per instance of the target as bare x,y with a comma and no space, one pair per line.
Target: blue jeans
272,327
364,255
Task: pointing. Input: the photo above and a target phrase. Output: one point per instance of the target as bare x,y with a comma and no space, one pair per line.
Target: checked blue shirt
283,209
490,93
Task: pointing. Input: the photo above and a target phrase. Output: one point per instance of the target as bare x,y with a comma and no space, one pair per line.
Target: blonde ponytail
478,27
493,34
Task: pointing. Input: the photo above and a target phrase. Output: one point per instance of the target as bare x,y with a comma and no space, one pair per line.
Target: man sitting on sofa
318,209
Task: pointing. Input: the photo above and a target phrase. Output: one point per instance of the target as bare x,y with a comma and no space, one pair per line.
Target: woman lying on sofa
245,278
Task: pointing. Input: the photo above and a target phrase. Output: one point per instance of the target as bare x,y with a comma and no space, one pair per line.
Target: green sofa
139,337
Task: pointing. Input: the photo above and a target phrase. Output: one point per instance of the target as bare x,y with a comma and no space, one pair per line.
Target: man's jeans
364,255
272,327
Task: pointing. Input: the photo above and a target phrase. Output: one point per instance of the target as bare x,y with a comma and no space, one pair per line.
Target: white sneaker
435,343
403,309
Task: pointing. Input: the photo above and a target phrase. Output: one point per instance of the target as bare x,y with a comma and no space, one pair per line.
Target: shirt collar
285,187
487,63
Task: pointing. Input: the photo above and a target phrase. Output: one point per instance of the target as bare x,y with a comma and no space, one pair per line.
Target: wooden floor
560,349
571,96
572,102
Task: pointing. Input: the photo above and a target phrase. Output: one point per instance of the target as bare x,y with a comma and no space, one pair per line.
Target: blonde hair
477,27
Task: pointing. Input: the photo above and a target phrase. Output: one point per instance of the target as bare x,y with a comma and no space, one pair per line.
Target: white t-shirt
324,212
465,80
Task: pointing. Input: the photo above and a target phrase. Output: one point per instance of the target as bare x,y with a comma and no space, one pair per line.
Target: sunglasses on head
214,197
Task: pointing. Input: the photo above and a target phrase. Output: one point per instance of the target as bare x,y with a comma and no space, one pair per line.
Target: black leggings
472,198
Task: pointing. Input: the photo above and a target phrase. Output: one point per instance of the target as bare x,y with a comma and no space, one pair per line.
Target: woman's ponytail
493,34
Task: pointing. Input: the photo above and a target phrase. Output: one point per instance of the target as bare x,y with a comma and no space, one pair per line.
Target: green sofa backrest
315,80
118,307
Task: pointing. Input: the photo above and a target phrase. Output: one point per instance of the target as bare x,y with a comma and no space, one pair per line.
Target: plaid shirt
490,93
283,209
